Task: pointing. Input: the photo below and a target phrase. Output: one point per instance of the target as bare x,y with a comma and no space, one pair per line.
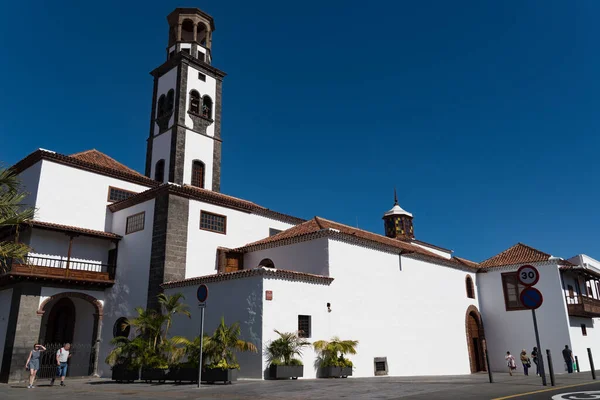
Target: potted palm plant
280,355
331,361
220,363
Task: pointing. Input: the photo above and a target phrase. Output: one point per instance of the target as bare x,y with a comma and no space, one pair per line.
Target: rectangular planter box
219,375
154,374
335,372
182,374
286,371
121,373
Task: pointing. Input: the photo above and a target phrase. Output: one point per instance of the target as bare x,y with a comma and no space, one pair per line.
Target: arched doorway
475,340
61,322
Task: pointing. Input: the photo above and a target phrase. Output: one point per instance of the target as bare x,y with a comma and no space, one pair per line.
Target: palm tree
219,348
172,305
331,353
12,213
148,324
284,348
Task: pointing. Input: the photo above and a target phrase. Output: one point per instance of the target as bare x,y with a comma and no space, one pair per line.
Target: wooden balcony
57,270
583,306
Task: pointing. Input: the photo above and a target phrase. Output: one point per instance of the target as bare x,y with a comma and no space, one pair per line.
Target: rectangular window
273,231
583,330
200,55
135,223
116,194
213,222
186,51
201,76
588,289
304,326
571,291
512,291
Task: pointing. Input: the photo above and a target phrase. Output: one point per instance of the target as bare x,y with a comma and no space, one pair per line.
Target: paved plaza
455,387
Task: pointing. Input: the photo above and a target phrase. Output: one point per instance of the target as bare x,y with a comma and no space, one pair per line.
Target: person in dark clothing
568,357
534,357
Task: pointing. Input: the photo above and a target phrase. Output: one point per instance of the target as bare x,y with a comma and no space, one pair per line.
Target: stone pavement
410,388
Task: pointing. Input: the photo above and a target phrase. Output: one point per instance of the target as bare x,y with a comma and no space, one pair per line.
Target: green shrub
282,350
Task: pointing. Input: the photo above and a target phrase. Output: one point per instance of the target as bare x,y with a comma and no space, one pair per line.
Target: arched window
160,110
470,287
170,101
207,106
198,174
159,171
267,262
121,328
194,102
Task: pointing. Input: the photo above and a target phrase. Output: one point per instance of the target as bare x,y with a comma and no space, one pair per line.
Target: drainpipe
97,347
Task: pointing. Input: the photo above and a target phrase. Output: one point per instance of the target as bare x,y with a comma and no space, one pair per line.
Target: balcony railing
59,268
583,306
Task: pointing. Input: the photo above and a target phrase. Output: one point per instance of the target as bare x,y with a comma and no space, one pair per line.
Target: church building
107,239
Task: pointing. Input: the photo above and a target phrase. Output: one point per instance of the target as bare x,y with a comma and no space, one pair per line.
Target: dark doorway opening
61,322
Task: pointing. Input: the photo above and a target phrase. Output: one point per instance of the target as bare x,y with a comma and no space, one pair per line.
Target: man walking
568,357
62,356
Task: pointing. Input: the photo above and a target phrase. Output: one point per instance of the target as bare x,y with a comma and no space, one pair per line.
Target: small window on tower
200,56
194,102
198,174
207,107
186,51
201,76
159,171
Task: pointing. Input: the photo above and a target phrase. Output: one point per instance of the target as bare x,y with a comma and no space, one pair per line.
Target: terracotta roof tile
517,254
259,271
72,229
93,156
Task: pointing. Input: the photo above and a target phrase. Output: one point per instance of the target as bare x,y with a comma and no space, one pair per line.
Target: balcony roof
75,230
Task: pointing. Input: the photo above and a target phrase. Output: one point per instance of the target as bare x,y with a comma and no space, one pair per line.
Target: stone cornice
189,60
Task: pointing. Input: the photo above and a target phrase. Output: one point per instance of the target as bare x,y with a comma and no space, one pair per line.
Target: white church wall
161,150
166,82
71,196
30,180
513,330
445,254
207,87
580,343
131,282
310,257
238,300
242,228
5,302
198,147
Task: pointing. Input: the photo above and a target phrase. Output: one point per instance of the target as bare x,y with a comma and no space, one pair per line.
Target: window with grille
583,330
135,223
512,291
273,231
198,174
304,326
116,194
213,222
381,367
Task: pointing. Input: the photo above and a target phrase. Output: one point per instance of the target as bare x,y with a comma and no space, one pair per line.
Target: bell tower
398,222
184,145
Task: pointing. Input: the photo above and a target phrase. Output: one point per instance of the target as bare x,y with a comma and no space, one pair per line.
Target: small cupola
398,222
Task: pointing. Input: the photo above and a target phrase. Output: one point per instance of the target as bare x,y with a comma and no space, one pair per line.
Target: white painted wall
55,245
165,83
581,343
208,87
445,254
198,147
131,282
71,196
84,329
311,257
513,330
30,179
161,149
5,301
242,228
238,301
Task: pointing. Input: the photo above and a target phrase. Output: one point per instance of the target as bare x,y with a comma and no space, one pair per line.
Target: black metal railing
60,262
81,360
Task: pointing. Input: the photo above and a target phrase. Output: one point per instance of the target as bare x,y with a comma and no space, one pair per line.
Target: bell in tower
398,222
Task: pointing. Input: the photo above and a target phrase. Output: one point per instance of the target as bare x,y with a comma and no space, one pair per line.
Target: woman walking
534,356
510,362
525,361
33,363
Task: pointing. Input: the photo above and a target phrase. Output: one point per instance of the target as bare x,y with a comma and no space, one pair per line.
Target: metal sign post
532,298
202,295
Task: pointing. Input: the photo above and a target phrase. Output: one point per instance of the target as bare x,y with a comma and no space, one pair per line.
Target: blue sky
484,115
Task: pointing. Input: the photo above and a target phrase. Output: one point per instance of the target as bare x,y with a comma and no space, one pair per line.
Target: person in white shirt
62,357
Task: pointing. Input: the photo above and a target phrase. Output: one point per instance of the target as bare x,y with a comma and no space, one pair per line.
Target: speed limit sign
528,275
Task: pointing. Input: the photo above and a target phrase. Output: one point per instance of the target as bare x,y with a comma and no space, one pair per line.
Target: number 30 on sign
528,275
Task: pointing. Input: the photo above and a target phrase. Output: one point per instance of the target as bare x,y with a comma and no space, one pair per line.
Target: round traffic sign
528,275
202,293
531,298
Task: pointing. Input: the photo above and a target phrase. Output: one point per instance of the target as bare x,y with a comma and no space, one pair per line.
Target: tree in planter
219,348
280,355
331,354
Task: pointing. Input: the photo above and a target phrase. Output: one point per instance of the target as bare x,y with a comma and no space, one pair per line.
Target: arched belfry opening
475,340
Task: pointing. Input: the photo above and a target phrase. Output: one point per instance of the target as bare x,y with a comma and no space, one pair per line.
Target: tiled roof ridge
515,255
534,249
258,271
104,155
41,154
